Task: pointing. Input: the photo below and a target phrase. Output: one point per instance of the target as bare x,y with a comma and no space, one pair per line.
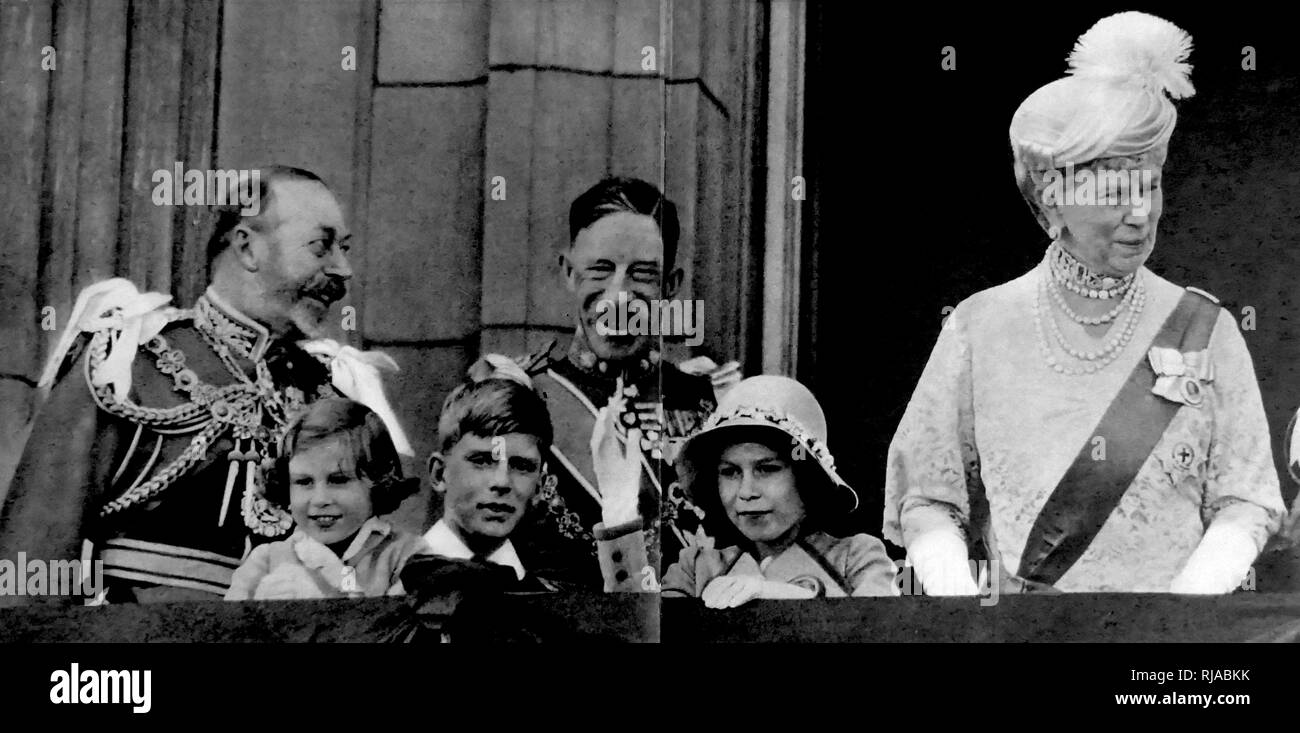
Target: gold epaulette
115,307
209,414
183,418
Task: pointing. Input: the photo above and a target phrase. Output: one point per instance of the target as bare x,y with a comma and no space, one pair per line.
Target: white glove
287,582
942,564
617,464
729,591
1219,563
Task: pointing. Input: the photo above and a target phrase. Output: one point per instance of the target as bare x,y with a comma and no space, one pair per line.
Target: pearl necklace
1125,332
1086,320
1076,277
1096,360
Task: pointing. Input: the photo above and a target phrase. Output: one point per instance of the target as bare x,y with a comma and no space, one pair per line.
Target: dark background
914,207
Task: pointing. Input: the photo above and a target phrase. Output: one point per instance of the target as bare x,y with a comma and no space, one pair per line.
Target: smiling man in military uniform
149,451
623,242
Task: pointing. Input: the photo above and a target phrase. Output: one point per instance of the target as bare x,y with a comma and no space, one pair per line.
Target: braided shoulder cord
213,411
194,453
187,415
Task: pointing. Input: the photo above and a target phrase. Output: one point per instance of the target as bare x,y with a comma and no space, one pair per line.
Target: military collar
582,357
220,320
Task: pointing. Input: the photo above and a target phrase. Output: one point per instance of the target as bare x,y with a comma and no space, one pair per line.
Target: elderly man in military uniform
149,451
623,243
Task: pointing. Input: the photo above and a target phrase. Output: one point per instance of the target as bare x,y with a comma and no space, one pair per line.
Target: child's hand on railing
729,591
287,582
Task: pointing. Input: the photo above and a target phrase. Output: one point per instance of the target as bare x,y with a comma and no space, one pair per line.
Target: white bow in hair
355,375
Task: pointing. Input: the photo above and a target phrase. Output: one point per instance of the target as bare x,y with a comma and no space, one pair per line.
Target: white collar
308,548
444,542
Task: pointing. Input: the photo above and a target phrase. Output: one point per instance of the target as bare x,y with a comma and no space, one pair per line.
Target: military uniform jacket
160,464
667,404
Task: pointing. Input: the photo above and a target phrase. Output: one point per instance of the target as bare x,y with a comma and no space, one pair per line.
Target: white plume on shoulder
1138,46
498,366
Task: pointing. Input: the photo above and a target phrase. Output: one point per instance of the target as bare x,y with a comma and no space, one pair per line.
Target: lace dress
989,419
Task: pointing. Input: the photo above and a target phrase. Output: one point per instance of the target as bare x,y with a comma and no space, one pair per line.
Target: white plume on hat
1137,46
1114,102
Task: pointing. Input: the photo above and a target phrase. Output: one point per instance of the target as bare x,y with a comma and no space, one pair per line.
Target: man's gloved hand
617,464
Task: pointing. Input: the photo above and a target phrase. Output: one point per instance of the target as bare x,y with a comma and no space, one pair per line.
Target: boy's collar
443,541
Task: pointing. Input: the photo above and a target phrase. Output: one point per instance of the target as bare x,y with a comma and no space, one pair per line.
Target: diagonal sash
574,417
574,449
1132,426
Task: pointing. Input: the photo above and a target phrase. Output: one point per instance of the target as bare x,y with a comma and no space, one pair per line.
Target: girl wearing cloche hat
761,471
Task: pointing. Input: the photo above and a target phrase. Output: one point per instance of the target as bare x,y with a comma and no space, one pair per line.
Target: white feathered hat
1115,102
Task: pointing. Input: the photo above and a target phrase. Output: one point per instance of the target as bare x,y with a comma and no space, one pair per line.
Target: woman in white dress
1089,426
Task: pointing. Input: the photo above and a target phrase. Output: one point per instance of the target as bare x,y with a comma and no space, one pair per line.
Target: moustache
329,291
